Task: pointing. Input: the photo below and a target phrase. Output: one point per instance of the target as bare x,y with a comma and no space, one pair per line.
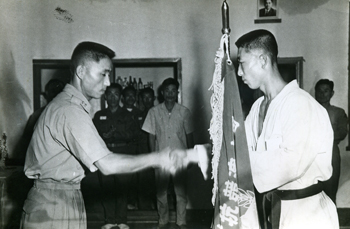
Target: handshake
177,159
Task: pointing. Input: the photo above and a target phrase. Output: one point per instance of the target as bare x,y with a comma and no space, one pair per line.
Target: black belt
272,200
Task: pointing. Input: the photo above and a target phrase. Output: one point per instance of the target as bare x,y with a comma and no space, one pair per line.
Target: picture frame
43,71
268,11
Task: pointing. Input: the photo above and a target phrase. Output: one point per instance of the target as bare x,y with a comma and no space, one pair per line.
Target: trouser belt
272,202
56,185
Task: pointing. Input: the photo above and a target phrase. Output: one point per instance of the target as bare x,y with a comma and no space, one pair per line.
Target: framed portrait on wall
267,11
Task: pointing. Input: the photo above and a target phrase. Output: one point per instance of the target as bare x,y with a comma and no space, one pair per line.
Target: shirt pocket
31,206
36,201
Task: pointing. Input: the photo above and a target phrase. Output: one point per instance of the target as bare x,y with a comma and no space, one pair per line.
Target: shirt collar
165,109
77,97
291,86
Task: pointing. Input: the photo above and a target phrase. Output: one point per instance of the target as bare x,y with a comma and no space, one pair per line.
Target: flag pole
226,22
233,191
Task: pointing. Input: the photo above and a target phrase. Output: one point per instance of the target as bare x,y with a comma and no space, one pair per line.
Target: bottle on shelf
130,81
134,84
140,84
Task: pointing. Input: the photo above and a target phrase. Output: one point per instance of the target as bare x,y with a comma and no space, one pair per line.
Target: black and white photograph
174,114
267,8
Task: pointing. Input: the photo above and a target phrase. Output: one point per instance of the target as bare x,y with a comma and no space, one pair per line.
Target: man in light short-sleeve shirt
169,125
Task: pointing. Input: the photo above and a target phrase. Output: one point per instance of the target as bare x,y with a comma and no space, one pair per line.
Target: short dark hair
53,88
89,51
128,88
55,85
147,90
170,81
115,86
259,39
326,82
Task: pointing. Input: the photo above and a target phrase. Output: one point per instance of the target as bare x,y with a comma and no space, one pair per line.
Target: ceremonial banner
233,191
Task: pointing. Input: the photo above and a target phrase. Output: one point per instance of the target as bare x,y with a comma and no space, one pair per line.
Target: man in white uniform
290,142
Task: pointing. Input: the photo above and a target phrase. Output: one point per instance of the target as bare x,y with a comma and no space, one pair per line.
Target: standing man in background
135,114
147,193
147,96
324,91
117,129
169,124
290,140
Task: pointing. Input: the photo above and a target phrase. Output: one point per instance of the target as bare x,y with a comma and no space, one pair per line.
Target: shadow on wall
199,190
54,84
300,6
13,100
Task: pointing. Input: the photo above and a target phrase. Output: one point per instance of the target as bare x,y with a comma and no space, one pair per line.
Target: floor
196,219
149,226
199,219
152,224
137,219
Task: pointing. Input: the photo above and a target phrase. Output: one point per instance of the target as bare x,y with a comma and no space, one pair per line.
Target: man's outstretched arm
169,160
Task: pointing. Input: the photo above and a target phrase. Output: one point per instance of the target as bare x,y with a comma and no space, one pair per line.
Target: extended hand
198,155
173,160
177,159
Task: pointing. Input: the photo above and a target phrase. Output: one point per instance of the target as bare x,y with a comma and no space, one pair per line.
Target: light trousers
54,206
162,182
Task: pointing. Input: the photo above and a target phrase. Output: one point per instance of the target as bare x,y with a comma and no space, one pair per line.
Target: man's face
249,68
148,99
129,98
113,97
268,4
95,78
323,93
170,93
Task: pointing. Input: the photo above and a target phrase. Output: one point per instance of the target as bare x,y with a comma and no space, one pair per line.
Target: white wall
314,29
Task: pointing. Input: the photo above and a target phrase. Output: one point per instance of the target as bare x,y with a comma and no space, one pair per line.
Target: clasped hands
173,160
